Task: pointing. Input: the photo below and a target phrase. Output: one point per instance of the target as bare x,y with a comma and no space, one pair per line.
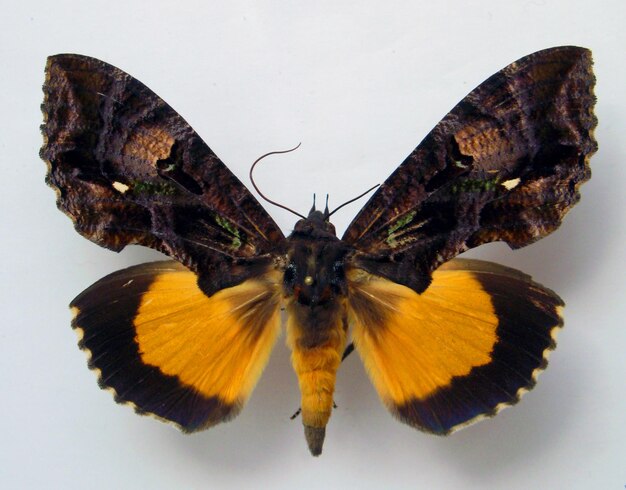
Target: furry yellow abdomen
316,355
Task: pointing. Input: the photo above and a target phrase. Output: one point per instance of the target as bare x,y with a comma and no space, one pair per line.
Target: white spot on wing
119,187
511,184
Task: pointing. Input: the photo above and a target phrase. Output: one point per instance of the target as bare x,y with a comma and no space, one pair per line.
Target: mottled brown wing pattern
504,165
129,170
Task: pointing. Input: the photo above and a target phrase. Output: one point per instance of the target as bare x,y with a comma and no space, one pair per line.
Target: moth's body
445,341
315,289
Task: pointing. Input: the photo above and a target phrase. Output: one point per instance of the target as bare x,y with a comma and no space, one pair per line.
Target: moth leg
296,413
348,351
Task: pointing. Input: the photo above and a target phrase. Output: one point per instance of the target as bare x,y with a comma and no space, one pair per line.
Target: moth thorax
315,273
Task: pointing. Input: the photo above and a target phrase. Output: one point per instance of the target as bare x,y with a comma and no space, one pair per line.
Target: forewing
160,344
129,170
504,165
470,345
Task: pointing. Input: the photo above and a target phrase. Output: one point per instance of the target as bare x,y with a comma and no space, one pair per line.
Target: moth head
316,225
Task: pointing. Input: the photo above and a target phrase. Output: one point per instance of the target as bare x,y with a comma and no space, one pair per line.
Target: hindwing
159,343
469,345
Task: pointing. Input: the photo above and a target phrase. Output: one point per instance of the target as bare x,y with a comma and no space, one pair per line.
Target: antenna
351,200
257,188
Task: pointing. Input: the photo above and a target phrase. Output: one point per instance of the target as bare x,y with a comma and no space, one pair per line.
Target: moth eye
308,280
290,274
338,269
339,274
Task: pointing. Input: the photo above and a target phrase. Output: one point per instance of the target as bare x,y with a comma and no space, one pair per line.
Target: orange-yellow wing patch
165,347
470,344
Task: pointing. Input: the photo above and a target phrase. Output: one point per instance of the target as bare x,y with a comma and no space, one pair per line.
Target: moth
445,341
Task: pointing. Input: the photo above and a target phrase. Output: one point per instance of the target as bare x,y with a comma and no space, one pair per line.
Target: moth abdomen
317,338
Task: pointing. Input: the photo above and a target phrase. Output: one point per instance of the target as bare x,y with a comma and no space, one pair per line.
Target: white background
359,83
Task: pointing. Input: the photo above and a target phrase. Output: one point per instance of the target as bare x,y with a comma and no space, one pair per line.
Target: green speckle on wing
228,226
398,225
158,188
474,185
402,222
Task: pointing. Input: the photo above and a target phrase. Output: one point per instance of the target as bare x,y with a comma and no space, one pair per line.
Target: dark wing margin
505,164
129,170
472,344
159,344
103,320
529,319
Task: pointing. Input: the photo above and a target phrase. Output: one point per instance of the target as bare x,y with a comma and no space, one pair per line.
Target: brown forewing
504,165
129,170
